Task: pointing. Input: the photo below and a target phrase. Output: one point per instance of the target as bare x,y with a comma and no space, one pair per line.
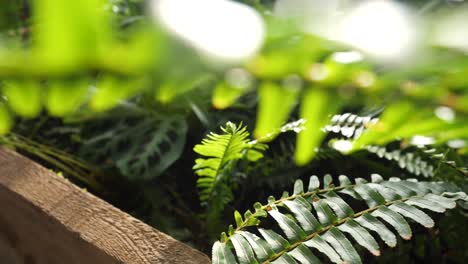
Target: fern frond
350,125
220,152
410,161
319,218
423,161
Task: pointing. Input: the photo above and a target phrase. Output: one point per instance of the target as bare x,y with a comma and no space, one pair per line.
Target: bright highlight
450,31
380,28
342,145
220,29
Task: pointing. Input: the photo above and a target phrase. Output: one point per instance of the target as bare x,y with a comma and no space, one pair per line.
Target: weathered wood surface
44,219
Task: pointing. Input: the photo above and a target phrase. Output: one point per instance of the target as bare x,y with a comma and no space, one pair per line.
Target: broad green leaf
24,97
361,235
316,106
110,91
70,33
224,94
222,254
179,82
60,91
6,120
275,104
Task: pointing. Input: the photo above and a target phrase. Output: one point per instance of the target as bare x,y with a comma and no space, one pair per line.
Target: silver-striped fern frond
318,218
419,160
350,125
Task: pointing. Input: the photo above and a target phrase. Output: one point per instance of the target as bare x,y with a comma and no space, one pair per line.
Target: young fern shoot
220,153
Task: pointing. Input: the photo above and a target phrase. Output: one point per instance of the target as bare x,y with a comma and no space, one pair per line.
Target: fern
220,152
423,161
350,125
410,161
391,201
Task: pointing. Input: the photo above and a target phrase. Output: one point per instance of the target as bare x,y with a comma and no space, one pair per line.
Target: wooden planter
44,219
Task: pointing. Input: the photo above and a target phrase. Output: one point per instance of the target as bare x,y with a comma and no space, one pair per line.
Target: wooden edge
44,219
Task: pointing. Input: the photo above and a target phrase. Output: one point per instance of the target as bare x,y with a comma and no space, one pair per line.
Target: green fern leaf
342,245
218,151
361,235
261,248
244,251
370,222
285,259
219,154
276,241
222,253
329,222
321,245
304,255
395,220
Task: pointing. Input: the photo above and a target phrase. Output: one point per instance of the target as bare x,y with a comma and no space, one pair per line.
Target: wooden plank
44,219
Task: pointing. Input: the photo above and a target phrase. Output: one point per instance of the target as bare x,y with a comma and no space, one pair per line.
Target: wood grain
44,219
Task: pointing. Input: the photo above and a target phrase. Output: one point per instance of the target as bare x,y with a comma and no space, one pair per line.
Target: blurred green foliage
101,79
78,51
